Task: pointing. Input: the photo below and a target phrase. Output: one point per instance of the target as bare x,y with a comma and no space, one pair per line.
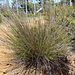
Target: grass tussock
37,46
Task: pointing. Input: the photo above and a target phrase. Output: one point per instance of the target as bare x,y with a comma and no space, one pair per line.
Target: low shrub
0,19
60,15
37,46
7,13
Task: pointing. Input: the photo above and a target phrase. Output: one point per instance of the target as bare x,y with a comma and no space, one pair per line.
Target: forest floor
5,59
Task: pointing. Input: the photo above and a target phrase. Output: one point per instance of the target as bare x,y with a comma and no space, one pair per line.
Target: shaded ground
6,65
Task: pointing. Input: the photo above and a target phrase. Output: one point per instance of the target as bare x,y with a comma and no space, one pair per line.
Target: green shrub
7,13
31,5
0,19
61,16
37,45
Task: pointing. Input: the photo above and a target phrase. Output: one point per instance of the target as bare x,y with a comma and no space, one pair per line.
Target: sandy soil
71,58
5,61
5,58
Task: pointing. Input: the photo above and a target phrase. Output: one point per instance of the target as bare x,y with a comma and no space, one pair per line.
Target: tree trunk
17,7
7,3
